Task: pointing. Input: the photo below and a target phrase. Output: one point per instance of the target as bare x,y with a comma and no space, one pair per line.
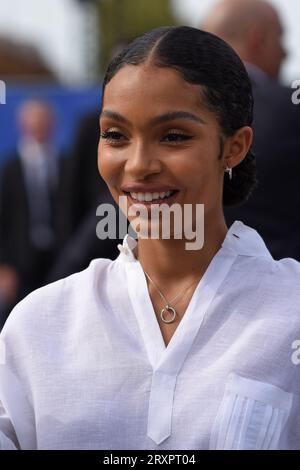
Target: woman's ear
237,146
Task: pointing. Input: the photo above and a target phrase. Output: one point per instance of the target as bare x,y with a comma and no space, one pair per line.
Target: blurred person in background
85,187
28,205
254,29
84,191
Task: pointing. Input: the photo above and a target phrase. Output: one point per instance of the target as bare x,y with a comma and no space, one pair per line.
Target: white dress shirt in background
40,169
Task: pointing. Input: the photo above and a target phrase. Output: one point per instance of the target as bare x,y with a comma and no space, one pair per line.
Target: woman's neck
169,262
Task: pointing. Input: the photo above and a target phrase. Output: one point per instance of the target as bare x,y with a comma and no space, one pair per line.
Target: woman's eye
112,136
176,137
115,137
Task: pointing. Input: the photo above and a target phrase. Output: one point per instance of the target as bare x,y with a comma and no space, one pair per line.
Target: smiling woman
164,347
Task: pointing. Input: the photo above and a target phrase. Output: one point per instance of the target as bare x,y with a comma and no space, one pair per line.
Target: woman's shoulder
277,284
278,276
255,256
285,270
54,302
67,285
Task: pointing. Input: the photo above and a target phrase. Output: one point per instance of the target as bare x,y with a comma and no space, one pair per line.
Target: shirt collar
244,240
127,249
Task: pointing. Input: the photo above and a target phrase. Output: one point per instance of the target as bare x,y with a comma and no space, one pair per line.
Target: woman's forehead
151,86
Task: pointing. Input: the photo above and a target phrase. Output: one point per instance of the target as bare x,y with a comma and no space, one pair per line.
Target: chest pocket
251,416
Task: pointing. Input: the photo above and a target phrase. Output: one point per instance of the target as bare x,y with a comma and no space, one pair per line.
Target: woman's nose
142,161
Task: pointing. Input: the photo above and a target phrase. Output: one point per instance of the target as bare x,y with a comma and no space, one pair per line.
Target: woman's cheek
106,165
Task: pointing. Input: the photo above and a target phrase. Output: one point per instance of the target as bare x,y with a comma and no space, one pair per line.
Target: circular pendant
167,308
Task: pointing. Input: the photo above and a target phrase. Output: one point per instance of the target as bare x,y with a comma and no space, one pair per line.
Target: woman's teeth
148,197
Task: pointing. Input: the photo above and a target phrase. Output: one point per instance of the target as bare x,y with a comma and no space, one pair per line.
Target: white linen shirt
84,364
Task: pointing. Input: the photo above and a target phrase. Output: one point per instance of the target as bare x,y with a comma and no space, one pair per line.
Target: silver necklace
167,307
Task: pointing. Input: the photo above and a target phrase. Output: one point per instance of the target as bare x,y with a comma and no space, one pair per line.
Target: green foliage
122,20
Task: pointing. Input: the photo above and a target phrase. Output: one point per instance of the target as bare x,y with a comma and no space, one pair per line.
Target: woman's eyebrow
114,115
170,116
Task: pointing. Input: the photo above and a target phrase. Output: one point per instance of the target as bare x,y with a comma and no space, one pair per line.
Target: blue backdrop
69,105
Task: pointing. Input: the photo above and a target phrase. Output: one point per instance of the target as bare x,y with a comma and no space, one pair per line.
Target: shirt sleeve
8,439
17,423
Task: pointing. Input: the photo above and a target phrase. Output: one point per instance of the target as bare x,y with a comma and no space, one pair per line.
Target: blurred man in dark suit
84,186
83,192
253,28
28,205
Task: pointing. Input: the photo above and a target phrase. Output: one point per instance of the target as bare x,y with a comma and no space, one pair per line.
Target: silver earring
229,171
